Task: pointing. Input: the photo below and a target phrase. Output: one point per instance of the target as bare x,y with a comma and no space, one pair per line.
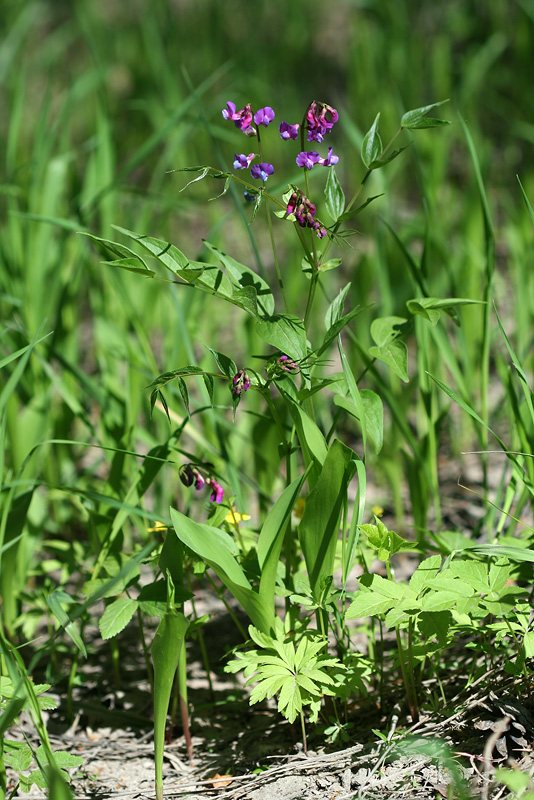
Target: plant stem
303,728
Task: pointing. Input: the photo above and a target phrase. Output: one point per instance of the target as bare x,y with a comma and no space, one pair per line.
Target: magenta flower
330,160
262,170
242,161
241,383
229,112
217,491
289,131
264,116
199,480
286,364
242,118
320,119
308,159
304,212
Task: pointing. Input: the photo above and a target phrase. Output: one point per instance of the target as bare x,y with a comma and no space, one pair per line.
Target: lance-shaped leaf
372,144
319,527
216,549
417,117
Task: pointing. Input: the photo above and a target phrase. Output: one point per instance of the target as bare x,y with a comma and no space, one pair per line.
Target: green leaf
440,600
332,263
427,569
474,573
319,527
385,329
369,604
413,119
117,616
395,355
124,253
244,278
225,363
17,758
62,617
66,760
336,328
430,307
286,333
312,441
335,309
373,410
381,162
131,265
272,535
335,199
528,644
215,548
354,211
354,393
372,144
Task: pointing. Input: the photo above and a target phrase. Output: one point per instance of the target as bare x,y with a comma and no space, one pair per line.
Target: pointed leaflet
372,144
415,119
374,414
244,277
215,548
319,527
272,536
335,199
285,332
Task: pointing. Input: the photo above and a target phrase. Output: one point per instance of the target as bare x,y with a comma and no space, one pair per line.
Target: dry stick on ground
500,728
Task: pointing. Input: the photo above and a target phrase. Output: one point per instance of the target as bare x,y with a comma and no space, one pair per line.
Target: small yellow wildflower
378,511
158,526
234,517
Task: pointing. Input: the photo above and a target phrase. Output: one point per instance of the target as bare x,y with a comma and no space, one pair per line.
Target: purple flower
229,112
308,159
242,161
241,383
286,364
199,480
264,116
242,119
304,211
262,170
320,119
289,131
330,160
217,491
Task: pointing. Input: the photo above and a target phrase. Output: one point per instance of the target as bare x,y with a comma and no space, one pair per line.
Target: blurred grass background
100,99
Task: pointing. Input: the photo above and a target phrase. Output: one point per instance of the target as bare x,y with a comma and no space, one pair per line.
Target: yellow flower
377,511
158,526
234,517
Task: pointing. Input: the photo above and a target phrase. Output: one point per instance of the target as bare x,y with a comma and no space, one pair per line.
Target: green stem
303,727
407,683
146,653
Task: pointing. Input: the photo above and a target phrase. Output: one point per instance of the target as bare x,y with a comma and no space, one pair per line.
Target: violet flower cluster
190,475
319,120
240,383
304,213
